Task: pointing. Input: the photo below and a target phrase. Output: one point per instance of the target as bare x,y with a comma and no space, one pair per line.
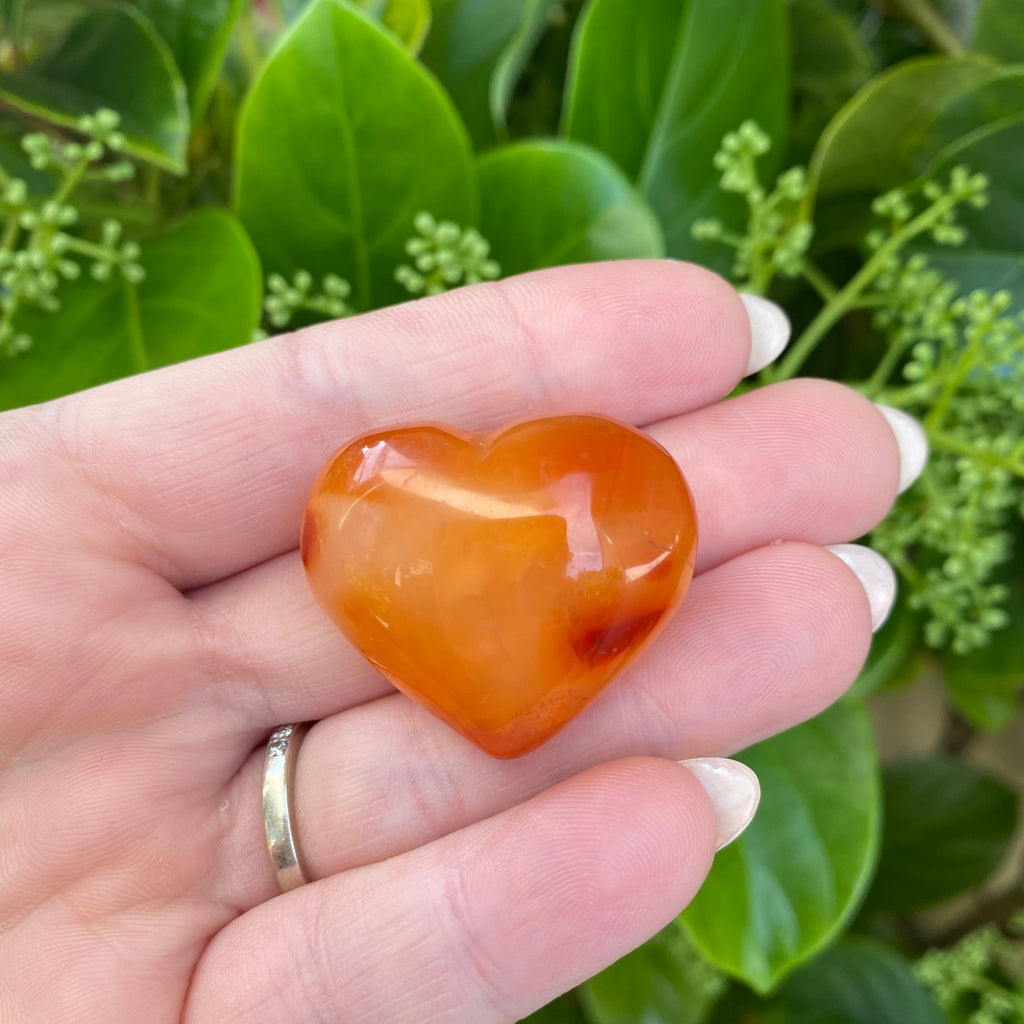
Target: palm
155,626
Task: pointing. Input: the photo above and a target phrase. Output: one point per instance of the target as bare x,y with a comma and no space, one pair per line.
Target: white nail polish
911,441
733,790
876,577
769,331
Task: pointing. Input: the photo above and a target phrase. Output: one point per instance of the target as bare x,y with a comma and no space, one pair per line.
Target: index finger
208,463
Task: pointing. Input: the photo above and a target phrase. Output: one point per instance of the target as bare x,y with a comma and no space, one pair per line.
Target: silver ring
278,797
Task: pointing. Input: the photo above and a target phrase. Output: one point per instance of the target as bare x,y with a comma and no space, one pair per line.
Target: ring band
278,797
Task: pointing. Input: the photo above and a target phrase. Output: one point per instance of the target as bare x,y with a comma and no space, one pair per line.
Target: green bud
15,192
133,272
303,280
107,120
424,223
706,229
336,286
447,233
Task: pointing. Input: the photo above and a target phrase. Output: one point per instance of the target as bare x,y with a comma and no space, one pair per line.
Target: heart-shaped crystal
501,580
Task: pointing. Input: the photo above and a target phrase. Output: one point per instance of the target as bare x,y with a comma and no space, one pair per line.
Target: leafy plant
180,176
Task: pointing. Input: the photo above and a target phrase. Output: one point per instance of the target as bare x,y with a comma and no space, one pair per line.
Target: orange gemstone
501,580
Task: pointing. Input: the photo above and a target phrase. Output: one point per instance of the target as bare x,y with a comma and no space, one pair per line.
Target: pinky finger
489,923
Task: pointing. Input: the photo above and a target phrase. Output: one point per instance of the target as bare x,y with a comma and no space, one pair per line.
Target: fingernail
876,577
733,790
911,441
769,331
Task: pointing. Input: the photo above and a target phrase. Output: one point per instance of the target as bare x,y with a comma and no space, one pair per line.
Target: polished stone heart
501,580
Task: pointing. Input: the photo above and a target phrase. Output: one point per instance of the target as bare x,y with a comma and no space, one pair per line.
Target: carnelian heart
501,580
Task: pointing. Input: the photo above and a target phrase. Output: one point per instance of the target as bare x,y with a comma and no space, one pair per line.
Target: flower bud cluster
286,298
777,237
445,256
37,248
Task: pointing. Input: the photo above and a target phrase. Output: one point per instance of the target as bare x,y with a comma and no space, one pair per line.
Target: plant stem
847,297
90,249
883,371
71,179
819,281
927,19
953,381
10,235
998,909
138,344
919,393
955,444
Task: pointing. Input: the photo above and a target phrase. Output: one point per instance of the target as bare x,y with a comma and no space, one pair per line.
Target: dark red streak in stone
610,641
306,538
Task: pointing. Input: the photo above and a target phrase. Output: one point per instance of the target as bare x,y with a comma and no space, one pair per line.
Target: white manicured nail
911,441
733,790
769,331
876,577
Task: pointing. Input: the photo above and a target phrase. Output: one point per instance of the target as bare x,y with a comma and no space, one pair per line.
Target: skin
155,626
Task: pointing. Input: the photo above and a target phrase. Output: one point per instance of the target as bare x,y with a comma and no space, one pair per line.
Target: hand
156,625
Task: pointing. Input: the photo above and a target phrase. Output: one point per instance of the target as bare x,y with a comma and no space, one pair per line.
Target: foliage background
290,161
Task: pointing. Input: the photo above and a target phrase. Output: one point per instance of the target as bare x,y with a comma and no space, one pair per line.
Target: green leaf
409,20
792,880
830,63
986,685
909,119
111,56
947,826
343,140
993,256
895,653
829,57
197,32
11,14
289,10
858,981
657,85
478,48
999,30
201,294
665,981
989,270
564,1010
555,202
514,57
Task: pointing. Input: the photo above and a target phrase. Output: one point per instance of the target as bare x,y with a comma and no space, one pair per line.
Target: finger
485,925
212,460
806,460
762,643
